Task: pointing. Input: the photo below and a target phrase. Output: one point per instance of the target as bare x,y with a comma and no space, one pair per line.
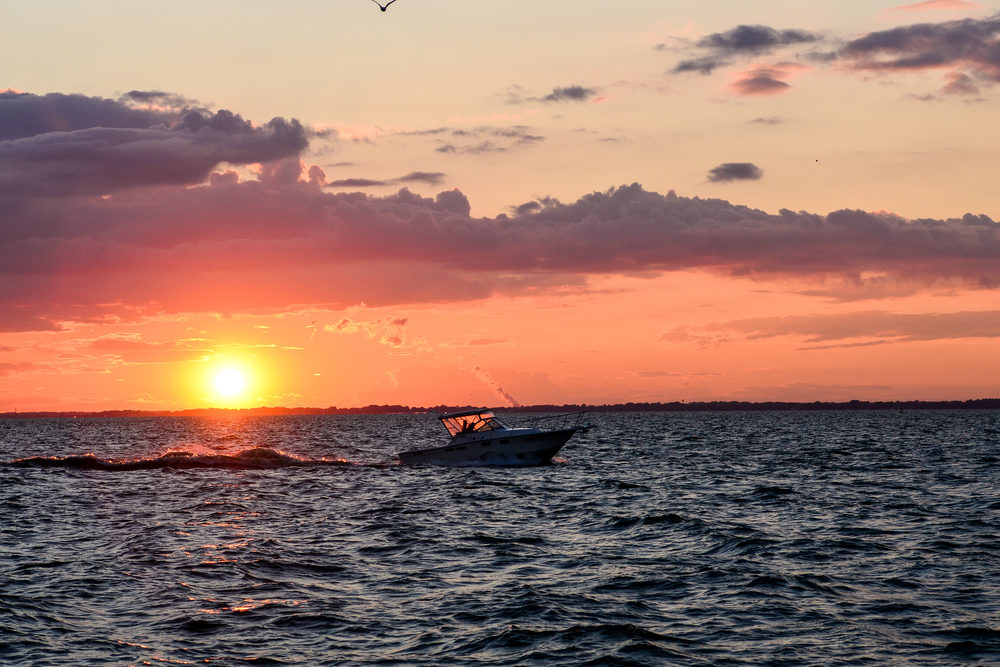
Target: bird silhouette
385,6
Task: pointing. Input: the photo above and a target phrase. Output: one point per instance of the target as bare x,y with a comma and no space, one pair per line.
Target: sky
235,204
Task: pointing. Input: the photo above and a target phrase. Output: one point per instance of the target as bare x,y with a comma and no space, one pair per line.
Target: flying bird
385,6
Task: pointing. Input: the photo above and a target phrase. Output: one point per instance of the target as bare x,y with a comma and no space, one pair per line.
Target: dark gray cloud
423,133
570,94
428,177
527,207
754,40
25,115
574,93
62,145
969,48
701,65
356,183
735,171
722,48
161,100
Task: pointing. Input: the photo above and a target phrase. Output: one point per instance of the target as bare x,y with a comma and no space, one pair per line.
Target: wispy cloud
426,177
390,331
857,329
489,140
939,5
573,93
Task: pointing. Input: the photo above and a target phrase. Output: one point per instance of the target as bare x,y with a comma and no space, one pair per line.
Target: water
835,538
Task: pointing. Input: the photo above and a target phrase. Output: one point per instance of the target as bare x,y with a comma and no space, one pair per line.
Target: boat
479,437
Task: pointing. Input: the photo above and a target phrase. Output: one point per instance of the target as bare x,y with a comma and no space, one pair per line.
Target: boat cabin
471,421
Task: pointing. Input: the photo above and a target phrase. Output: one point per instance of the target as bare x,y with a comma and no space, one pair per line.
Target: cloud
8,369
427,177
742,41
761,81
130,348
274,247
490,140
60,145
356,183
282,241
766,79
968,47
939,5
862,328
965,49
570,94
477,342
25,115
754,40
574,93
390,331
959,83
735,171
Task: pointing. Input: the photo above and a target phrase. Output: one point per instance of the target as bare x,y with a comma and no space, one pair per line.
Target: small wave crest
258,458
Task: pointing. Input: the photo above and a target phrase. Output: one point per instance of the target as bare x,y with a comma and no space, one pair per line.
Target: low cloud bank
127,242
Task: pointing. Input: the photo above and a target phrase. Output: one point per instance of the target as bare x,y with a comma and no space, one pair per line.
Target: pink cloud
766,79
939,5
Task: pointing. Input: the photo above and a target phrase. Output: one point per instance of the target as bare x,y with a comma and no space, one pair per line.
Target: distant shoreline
703,406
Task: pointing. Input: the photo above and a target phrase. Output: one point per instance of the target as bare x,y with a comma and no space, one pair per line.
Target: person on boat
467,427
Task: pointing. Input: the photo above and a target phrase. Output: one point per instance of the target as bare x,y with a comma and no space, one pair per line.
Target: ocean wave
257,458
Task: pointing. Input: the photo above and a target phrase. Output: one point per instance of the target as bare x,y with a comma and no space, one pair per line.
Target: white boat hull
530,449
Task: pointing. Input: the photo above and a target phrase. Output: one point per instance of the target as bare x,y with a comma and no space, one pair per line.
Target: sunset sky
497,202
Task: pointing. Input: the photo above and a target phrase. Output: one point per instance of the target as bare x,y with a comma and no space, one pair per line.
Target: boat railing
577,420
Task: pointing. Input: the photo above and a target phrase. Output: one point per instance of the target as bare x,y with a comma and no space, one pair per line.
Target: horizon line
631,406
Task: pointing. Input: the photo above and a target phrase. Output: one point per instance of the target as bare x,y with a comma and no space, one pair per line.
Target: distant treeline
705,406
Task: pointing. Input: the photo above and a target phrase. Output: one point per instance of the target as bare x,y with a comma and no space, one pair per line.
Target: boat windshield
471,422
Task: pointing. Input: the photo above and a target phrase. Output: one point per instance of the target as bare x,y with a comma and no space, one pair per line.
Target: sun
230,382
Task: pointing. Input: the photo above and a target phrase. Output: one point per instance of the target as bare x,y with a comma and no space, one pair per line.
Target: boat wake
258,458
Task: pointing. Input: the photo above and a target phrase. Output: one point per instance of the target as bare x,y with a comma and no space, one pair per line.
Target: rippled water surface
712,538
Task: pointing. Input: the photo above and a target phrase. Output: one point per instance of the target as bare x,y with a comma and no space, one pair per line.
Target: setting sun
230,382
